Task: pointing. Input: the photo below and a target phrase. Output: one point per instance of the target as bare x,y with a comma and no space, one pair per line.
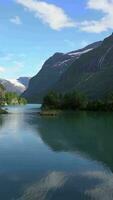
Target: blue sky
33,30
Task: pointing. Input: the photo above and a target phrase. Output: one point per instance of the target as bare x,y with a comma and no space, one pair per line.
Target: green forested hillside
7,98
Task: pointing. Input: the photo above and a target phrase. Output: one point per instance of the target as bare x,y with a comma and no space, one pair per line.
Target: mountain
52,70
15,85
24,81
92,73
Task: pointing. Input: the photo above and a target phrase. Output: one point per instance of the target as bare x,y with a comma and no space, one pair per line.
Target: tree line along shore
54,102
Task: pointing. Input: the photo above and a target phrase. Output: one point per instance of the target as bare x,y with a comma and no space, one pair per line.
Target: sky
33,30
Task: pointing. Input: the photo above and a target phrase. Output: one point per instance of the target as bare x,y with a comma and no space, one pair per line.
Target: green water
68,157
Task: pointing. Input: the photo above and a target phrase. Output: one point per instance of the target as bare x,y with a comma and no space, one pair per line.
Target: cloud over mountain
57,19
50,14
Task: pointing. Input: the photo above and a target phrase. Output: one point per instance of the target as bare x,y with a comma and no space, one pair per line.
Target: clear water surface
68,157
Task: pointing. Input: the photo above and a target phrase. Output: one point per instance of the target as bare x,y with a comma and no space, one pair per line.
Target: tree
51,101
74,100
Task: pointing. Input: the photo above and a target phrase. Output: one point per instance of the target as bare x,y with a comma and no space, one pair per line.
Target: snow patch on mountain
15,85
79,53
15,82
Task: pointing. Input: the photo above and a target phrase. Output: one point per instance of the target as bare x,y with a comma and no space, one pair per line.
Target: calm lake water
68,157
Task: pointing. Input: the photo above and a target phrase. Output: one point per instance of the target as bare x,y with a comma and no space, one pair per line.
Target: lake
67,157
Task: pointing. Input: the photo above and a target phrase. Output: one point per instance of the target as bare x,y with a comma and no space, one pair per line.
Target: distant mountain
24,81
15,85
52,70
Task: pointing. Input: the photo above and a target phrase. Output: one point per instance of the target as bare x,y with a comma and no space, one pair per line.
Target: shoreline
3,111
58,112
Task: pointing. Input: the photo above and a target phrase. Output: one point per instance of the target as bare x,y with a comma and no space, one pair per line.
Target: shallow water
68,157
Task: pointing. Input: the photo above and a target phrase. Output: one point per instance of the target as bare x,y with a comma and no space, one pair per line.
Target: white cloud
50,14
57,19
2,69
16,20
105,23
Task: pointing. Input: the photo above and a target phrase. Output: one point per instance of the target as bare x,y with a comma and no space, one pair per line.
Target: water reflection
58,185
59,158
46,186
104,190
86,133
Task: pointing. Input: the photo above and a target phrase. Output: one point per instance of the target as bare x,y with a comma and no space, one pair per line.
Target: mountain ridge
92,74
51,71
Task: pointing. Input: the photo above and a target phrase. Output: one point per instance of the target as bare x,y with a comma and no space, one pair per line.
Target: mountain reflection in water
61,158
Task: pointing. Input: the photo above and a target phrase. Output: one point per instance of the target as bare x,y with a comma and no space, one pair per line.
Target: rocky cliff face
51,72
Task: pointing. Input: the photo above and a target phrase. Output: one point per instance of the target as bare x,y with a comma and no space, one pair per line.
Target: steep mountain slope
18,86
92,73
51,72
